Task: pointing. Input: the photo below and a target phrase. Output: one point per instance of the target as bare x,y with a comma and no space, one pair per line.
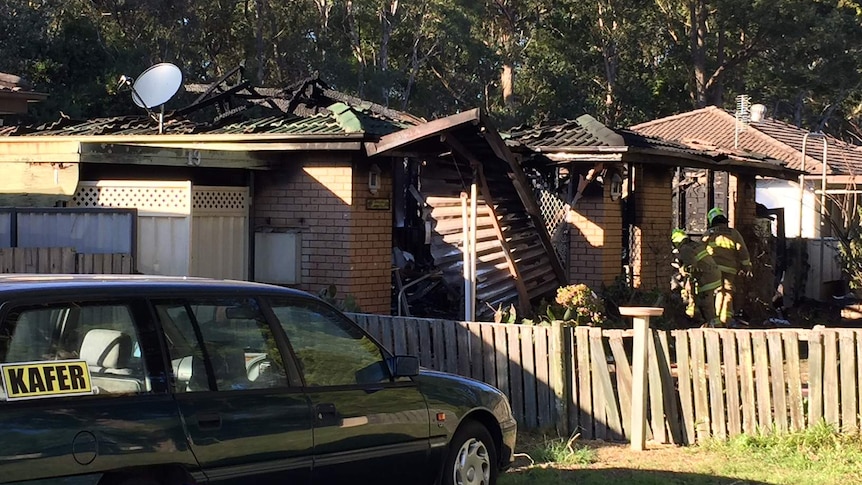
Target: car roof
142,285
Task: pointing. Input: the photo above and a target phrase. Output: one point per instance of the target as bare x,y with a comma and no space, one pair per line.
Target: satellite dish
157,85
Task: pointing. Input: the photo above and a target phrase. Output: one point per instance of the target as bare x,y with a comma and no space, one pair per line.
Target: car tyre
472,457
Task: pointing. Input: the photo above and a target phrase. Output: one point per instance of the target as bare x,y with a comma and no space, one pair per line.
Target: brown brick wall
741,201
371,243
651,257
343,243
595,241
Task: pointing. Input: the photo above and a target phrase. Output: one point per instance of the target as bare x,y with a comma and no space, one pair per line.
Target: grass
819,455
562,451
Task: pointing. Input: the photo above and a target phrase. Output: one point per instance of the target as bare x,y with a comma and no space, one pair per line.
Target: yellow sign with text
34,380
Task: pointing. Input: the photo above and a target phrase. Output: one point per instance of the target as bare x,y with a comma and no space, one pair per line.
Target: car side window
102,336
225,342
330,349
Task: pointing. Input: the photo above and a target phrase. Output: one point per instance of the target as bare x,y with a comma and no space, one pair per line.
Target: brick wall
651,257
371,243
595,241
741,201
343,243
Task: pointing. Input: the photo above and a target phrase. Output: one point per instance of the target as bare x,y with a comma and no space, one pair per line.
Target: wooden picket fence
63,261
702,383
513,358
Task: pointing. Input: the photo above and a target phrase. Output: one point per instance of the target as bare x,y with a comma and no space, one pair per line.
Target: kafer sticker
35,380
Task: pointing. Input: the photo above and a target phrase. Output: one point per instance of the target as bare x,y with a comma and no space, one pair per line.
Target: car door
246,416
368,427
84,391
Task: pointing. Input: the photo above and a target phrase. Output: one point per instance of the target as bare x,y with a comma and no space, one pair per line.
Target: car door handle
209,420
326,410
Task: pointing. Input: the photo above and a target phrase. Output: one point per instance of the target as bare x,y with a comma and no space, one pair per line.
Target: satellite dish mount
153,88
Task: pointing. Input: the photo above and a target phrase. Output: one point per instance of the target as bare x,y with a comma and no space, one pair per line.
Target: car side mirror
403,366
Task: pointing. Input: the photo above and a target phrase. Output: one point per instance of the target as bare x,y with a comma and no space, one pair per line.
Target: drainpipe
473,217
465,253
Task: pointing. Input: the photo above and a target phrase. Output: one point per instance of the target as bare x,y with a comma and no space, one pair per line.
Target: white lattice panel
164,198
225,201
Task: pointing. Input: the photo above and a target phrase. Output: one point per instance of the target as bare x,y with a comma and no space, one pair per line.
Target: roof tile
774,138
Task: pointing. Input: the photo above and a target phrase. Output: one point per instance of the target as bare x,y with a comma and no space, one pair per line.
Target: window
102,337
331,350
239,350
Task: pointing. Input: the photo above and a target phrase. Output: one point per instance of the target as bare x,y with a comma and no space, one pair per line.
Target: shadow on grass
614,476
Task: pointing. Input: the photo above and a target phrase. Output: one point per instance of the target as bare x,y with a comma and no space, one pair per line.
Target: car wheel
472,457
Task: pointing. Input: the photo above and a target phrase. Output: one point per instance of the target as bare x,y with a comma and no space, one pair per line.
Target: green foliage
620,294
850,253
504,315
437,57
348,304
582,306
821,446
562,451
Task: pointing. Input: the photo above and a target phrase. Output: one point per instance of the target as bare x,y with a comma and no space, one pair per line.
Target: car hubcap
472,466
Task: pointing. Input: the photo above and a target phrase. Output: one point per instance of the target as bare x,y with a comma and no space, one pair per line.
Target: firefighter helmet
713,213
677,236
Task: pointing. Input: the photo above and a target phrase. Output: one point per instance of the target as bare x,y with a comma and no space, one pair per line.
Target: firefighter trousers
724,298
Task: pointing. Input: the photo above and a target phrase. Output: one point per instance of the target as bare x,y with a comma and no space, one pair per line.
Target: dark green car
150,380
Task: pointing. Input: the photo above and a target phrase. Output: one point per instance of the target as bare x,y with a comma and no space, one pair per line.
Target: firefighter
703,275
728,249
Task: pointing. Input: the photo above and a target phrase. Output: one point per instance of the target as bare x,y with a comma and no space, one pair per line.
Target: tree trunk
507,83
607,27
698,14
356,46
387,15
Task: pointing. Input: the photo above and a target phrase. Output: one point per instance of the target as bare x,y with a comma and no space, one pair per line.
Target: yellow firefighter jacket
727,248
695,258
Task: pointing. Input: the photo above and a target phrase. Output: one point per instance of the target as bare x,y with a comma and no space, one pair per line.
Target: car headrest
106,348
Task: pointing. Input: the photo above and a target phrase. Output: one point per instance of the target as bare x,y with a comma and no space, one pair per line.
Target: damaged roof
773,138
586,136
310,108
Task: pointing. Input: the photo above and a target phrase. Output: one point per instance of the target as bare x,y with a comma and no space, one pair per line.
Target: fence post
640,353
558,379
